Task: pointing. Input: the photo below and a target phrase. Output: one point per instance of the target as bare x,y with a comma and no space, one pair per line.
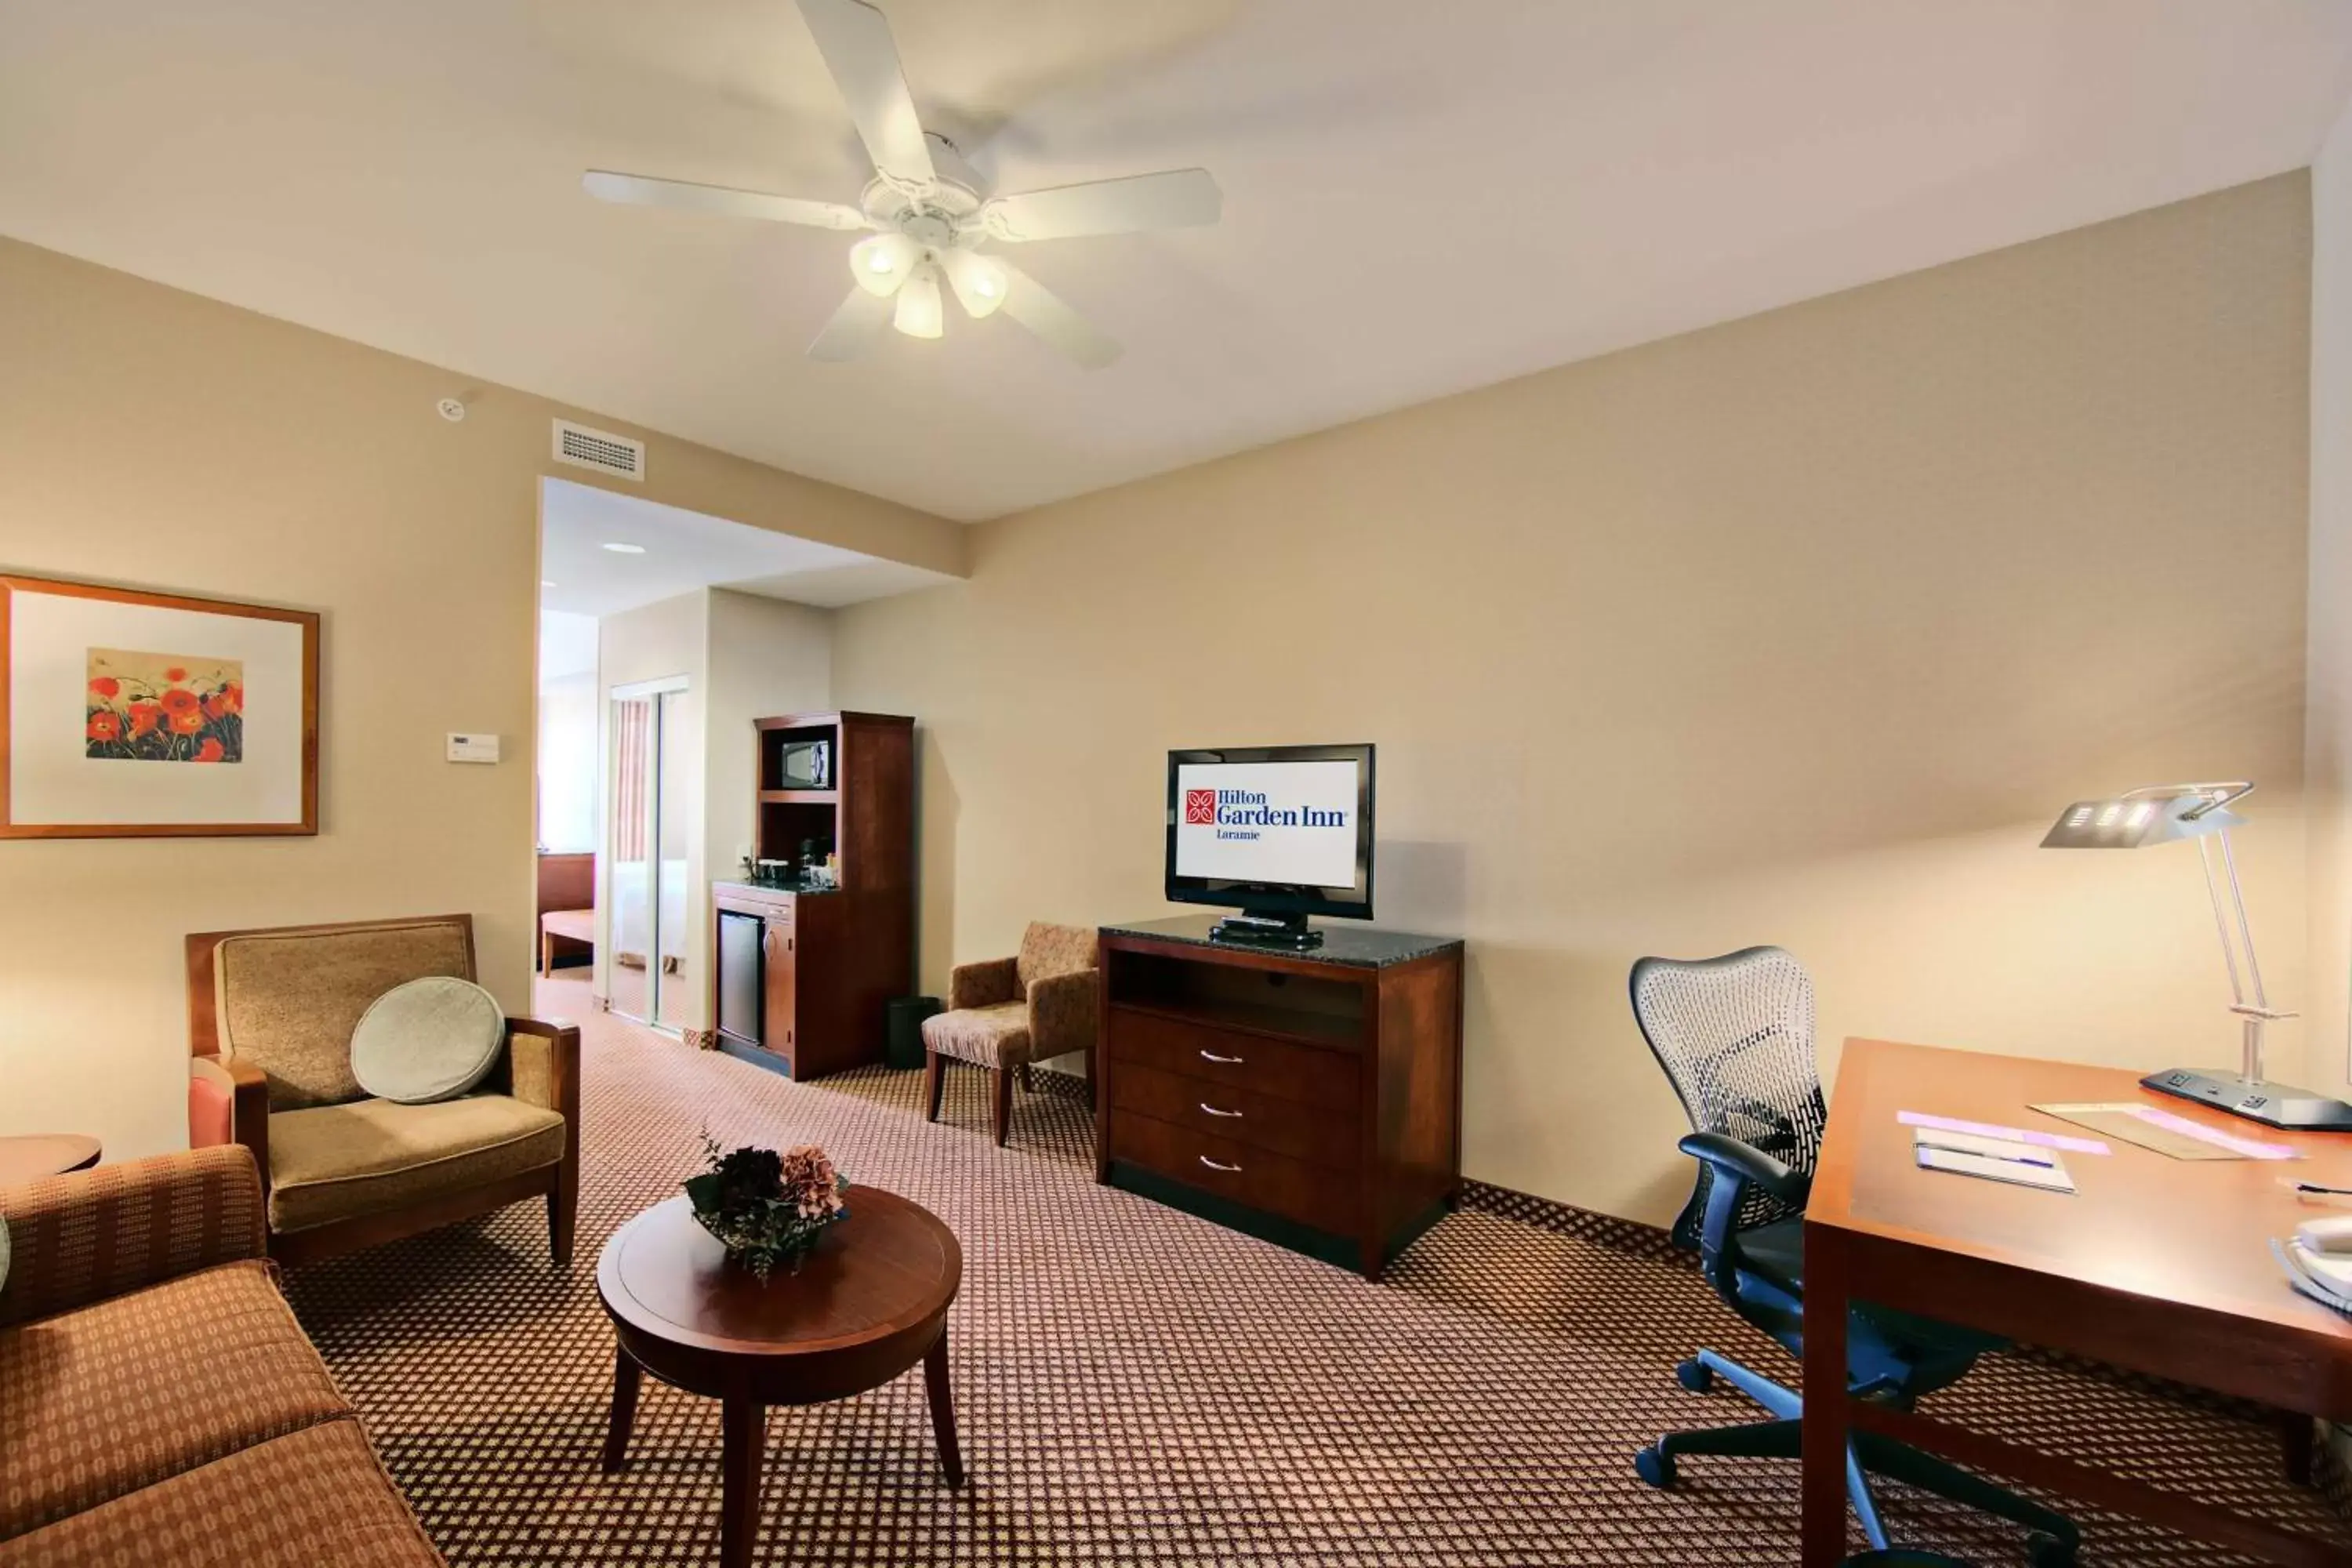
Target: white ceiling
1421,197
685,551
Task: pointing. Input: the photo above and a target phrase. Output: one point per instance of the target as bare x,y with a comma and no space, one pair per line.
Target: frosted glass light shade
979,281
883,263
919,314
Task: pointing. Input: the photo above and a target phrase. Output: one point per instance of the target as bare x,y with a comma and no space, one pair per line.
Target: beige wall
764,658
2329,727
567,762
156,439
1799,629
767,658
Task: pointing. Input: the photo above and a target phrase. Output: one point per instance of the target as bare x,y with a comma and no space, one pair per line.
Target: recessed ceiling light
547,582
620,549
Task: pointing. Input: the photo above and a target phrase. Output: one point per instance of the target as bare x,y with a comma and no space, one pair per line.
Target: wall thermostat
473,748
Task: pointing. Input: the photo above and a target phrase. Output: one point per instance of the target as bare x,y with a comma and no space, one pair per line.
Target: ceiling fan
931,213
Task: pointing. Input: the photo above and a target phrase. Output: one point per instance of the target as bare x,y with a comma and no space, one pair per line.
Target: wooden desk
2158,1265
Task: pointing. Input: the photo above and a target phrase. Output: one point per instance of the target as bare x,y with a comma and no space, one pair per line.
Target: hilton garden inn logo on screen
1268,822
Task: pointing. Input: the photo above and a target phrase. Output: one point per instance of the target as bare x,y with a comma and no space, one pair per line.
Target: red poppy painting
163,708
228,692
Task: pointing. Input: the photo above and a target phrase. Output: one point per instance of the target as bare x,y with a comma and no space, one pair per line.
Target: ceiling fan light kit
931,213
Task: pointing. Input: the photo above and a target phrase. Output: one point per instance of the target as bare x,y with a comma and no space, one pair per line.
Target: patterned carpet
1139,1387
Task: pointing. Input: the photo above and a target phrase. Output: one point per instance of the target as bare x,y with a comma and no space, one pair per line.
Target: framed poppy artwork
130,714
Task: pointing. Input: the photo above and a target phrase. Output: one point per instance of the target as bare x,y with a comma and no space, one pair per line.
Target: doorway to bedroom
664,634
654,807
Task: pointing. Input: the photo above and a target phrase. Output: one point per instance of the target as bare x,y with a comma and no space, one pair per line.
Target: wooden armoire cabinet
804,972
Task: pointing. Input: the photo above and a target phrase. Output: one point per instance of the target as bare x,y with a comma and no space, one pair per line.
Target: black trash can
903,1039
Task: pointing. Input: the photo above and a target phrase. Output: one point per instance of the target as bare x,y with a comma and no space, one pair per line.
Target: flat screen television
1278,832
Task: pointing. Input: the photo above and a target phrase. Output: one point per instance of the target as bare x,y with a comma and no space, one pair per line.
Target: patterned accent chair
1009,1012
270,1017
158,1402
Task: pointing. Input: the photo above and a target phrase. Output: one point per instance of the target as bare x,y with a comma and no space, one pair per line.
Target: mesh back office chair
1735,1035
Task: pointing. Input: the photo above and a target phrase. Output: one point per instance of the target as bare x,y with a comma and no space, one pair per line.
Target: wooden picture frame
145,708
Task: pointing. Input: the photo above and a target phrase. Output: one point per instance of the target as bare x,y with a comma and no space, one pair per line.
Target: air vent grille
599,449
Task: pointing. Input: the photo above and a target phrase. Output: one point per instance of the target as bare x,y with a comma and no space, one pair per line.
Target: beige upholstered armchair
270,1017
1009,1012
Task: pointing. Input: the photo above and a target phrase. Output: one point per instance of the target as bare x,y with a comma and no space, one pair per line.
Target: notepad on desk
1990,1148
1993,1159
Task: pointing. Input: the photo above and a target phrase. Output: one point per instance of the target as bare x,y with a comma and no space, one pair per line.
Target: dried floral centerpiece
767,1208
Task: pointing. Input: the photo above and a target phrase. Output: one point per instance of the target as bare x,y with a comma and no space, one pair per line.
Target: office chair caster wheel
2049,1552
1696,1376
1656,1465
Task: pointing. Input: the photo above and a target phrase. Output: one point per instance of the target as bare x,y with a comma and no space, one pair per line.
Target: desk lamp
2160,814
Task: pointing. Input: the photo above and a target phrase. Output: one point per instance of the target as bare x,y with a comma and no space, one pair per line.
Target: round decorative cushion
429,1039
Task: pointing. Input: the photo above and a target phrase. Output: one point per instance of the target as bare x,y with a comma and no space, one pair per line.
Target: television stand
1310,1099
1288,932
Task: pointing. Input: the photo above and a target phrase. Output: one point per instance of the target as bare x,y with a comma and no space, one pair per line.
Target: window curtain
634,720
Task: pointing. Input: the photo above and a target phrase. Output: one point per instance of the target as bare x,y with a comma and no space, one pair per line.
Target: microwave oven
804,764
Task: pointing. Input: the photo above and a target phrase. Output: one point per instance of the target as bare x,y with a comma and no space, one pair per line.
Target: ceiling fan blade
1044,312
856,323
1179,198
640,190
855,40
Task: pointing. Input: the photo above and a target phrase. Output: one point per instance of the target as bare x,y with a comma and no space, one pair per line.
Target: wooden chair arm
228,1102
543,1068
984,985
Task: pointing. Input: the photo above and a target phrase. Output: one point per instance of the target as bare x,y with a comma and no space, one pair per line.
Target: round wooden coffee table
869,1302
39,1154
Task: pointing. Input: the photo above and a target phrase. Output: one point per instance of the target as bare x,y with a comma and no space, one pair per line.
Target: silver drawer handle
1214,1111
1226,1061
1220,1165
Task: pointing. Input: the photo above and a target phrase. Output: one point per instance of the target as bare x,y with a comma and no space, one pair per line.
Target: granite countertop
795,888
1354,946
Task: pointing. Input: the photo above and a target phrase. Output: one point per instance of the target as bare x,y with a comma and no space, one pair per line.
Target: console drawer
1256,1178
1329,1138
1230,1059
